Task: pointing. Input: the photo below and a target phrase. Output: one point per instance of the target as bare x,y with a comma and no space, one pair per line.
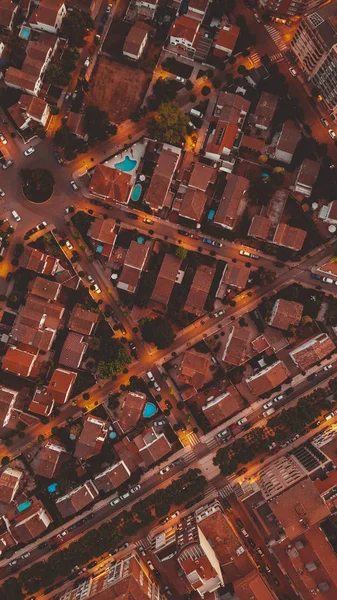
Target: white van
150,376
16,216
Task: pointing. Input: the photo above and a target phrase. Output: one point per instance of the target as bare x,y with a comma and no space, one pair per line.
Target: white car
115,501
135,489
180,79
327,280
67,96
242,421
329,416
108,8
278,398
150,376
42,225
125,496
7,164
68,210
156,386
2,193
257,18
16,216
29,151
97,289
219,313
3,139
91,279
293,71
268,404
150,564
87,62
327,367
69,245
74,185
332,134
12,563
164,470
25,555
175,514
325,122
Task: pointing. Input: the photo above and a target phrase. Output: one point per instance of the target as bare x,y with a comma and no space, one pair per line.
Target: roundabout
37,184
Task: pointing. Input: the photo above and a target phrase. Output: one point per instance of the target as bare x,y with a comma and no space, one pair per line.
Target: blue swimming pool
149,410
112,435
128,164
140,239
25,32
136,192
52,487
24,506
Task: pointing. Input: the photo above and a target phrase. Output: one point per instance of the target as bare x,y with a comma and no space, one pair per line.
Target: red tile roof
47,12
41,404
290,237
45,288
299,507
226,38
184,28
235,352
312,351
9,484
31,523
112,477
265,110
60,385
7,401
233,201
166,279
110,183
130,410
222,139
286,313
236,275
161,179
230,107
73,350
202,176
135,38
308,173
220,408
48,459
259,227
77,499
193,204
82,320
200,288
289,138
18,361
133,266
151,446
103,230
34,107
34,260
194,368
253,587
6,13
92,438
269,378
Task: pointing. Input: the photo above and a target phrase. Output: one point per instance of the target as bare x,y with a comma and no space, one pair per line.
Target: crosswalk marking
276,37
277,57
227,490
193,439
255,58
145,542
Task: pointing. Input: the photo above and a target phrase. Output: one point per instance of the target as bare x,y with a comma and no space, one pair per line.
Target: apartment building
197,558
126,577
290,8
315,46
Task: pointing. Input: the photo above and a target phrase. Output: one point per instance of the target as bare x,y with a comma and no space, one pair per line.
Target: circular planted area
37,184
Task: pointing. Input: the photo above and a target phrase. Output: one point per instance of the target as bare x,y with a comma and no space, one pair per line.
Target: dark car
132,216
104,18
241,471
31,231
276,581
168,404
226,503
279,264
100,29
239,522
92,564
251,542
177,462
182,232
43,545
182,426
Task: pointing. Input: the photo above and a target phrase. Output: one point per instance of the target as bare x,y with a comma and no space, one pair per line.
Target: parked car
177,462
91,279
327,367
332,134
217,244
246,253
125,496
7,164
182,232
74,185
132,216
242,421
180,79
87,62
156,386
68,210
2,193
325,122
42,225
241,471
292,71
219,313
268,404
69,245
315,276
115,501
148,221
260,552
141,550
222,433
159,423
29,151
135,489
3,139
16,216
150,564
327,280
164,470
97,289
150,376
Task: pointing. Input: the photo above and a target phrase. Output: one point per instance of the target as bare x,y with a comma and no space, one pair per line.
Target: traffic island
37,184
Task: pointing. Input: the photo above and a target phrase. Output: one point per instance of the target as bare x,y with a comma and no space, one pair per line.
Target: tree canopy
115,357
74,27
96,123
169,125
158,331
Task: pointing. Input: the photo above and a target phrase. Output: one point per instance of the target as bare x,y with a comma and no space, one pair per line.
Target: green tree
115,357
206,90
181,252
170,124
158,331
56,75
62,136
96,123
74,27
